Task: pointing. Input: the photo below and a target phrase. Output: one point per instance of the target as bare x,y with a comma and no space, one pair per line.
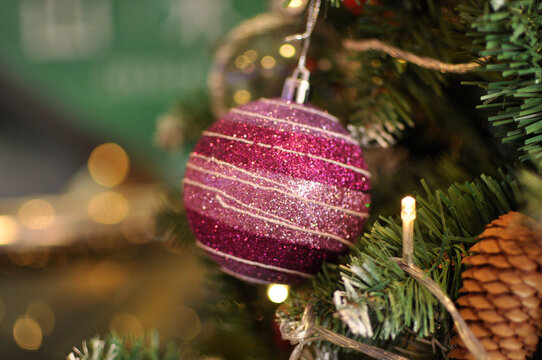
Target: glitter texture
274,189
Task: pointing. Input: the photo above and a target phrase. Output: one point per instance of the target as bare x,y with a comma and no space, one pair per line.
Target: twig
425,62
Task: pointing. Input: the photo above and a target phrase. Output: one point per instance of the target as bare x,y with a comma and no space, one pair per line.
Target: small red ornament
356,6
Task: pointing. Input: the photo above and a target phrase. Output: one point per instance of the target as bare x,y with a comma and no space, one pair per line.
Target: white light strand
408,215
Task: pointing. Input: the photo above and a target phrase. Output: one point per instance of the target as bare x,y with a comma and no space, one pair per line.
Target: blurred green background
111,67
78,254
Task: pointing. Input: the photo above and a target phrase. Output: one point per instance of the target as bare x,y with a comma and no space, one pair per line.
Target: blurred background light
27,333
189,323
241,62
43,315
108,207
268,62
287,51
37,214
102,279
108,164
241,96
9,229
127,324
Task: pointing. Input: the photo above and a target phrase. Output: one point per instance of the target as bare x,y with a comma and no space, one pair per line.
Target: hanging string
425,62
296,87
314,9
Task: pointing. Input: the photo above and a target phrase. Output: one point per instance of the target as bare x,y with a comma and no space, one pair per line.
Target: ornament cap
297,86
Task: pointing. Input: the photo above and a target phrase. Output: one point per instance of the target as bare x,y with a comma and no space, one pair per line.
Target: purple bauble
274,189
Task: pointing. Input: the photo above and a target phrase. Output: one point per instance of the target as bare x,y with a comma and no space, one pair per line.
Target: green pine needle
446,226
113,347
512,35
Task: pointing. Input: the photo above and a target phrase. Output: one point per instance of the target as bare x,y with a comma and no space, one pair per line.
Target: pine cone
502,290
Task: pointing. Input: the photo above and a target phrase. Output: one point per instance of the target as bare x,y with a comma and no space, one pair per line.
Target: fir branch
113,347
512,34
389,94
446,226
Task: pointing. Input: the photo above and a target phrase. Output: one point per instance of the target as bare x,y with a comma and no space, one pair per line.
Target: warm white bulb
295,3
277,293
408,208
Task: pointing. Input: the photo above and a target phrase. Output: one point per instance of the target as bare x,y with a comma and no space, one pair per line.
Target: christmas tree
445,99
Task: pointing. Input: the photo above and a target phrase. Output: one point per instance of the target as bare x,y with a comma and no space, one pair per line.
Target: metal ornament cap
296,87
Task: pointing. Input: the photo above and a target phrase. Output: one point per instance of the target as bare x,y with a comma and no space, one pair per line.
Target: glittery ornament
274,189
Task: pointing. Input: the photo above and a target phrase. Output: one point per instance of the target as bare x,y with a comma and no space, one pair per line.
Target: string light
408,215
278,293
296,3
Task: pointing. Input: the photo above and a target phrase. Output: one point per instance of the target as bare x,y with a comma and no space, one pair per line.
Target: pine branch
446,226
112,347
390,95
511,33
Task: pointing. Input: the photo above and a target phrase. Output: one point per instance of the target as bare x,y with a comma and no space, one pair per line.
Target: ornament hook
296,87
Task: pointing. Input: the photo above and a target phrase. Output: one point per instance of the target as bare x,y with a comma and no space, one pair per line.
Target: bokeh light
241,62
278,293
241,96
108,164
8,230
251,54
324,64
189,322
108,207
104,279
127,324
43,314
295,3
36,214
250,68
287,51
268,62
27,333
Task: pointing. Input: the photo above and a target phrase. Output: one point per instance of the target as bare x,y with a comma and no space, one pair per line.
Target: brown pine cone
502,290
